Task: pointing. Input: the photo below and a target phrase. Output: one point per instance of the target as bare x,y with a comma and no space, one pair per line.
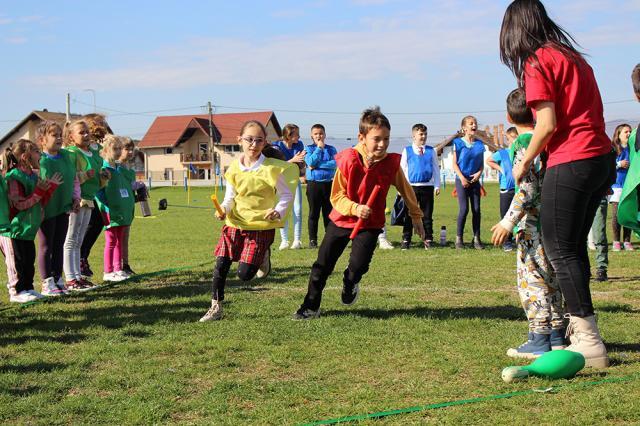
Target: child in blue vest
419,164
538,289
501,162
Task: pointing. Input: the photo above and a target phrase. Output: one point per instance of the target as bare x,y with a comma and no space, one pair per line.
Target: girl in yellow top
258,196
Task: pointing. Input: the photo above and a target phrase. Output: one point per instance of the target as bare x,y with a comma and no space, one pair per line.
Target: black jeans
96,224
466,195
246,272
505,202
424,195
319,197
51,237
333,244
571,193
24,252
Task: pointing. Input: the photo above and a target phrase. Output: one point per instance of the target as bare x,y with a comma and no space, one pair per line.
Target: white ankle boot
585,339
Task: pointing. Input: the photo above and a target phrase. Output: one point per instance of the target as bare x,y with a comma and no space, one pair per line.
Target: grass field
429,327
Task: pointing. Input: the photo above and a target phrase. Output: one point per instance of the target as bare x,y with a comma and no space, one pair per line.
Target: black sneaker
126,268
477,244
350,294
405,245
85,269
305,314
601,275
313,244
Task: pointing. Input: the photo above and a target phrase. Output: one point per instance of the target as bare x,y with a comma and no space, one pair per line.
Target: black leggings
318,194
466,195
245,272
571,194
94,229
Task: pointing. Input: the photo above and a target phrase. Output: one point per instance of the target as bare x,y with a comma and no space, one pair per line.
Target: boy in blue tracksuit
419,163
321,167
501,162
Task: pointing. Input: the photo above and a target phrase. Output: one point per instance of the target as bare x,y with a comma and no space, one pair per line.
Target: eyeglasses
252,141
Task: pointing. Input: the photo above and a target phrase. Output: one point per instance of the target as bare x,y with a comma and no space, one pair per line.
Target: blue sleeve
312,157
329,164
496,157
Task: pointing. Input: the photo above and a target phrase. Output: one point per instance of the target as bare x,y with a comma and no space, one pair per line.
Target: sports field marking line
382,414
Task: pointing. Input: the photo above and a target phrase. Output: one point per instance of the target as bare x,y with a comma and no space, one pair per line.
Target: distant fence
175,178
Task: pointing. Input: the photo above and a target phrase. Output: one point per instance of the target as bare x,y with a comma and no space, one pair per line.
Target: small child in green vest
65,199
77,141
27,195
116,204
126,167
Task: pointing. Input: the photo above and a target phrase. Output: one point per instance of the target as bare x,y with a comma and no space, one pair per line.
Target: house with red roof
175,146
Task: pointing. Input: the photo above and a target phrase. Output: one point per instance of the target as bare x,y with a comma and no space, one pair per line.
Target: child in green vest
88,162
116,202
66,198
127,170
27,195
257,199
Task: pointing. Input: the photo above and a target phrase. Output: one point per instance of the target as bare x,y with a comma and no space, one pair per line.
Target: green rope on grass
381,414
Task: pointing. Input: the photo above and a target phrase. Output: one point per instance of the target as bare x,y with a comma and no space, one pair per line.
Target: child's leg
73,241
407,227
57,251
326,202
505,203
599,230
463,208
362,248
220,272
315,203
25,257
46,235
118,232
109,247
297,213
284,231
333,244
254,247
426,200
93,229
125,245
474,196
615,226
10,261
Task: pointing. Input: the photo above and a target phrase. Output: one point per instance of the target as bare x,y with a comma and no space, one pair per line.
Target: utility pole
212,151
68,107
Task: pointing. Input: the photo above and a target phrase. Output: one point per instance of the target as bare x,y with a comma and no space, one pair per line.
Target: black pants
571,193
333,244
318,195
466,195
424,195
505,202
246,272
24,252
51,236
93,232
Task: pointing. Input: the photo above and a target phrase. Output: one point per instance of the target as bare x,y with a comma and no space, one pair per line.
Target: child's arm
404,163
492,163
228,201
77,194
17,198
312,158
285,197
436,175
329,164
339,199
404,188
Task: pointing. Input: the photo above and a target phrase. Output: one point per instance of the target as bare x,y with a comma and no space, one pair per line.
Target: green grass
429,327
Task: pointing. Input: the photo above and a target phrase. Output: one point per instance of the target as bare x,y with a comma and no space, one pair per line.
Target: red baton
370,202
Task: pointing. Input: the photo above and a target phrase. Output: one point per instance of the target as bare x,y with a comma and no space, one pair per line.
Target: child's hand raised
272,214
299,157
56,178
500,235
43,184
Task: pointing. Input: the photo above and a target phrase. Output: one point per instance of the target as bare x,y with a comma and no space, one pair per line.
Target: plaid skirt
244,246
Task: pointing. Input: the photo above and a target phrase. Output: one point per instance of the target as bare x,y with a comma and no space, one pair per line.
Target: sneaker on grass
384,244
306,314
113,277
297,244
49,288
24,297
350,293
214,313
265,266
536,345
78,285
284,245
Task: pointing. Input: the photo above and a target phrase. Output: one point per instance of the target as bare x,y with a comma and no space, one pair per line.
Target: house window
168,150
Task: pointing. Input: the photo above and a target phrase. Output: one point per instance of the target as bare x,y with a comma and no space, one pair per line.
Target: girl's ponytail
9,161
11,157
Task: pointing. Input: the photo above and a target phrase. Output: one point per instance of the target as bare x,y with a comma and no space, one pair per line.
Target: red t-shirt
572,87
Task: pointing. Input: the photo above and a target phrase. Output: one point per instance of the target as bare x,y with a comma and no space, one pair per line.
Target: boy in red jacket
359,169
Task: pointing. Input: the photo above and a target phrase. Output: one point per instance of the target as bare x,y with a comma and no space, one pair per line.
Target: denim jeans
571,193
297,217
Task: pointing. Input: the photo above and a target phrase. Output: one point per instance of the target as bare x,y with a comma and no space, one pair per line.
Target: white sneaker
284,245
113,277
385,244
123,274
214,313
49,288
63,288
265,266
24,297
297,244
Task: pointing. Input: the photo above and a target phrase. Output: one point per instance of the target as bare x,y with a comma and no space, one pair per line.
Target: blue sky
429,61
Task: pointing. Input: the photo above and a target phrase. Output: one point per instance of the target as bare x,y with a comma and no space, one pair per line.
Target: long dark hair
526,27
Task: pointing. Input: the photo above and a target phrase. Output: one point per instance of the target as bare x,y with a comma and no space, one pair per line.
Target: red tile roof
168,131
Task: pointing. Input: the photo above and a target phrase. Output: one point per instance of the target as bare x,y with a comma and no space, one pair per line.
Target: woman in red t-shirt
562,91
